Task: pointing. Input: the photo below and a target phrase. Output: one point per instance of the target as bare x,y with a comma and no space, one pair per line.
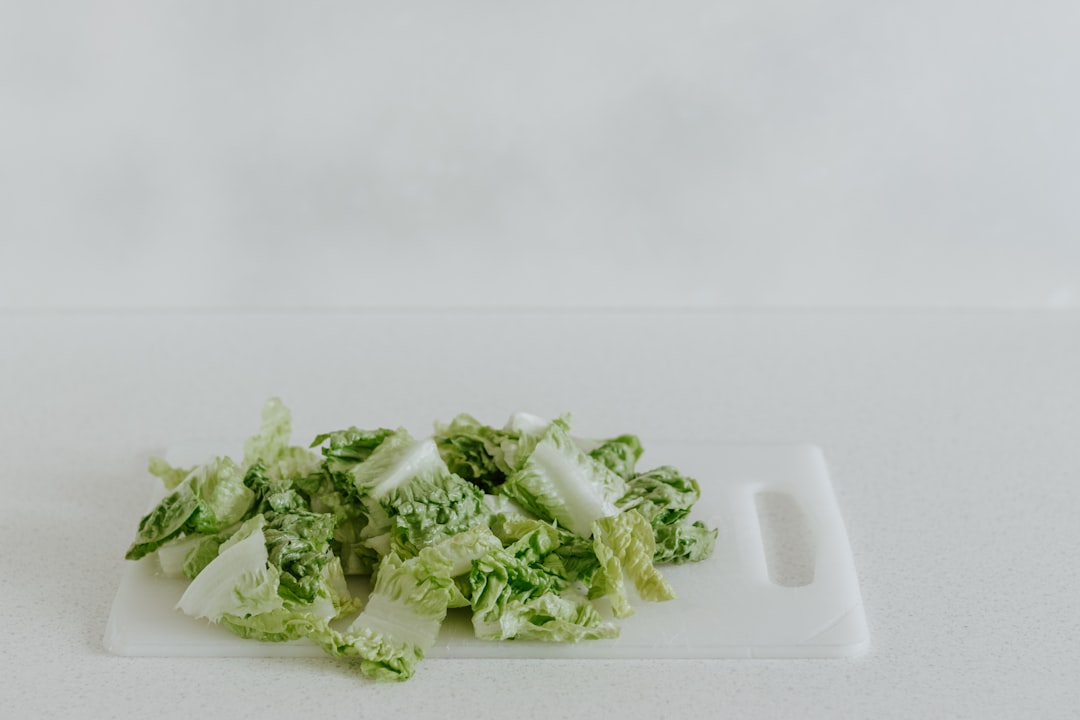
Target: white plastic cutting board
727,606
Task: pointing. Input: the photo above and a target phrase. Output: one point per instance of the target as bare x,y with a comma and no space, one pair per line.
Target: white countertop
951,438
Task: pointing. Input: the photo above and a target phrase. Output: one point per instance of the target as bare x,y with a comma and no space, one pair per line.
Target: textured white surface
728,606
202,153
952,448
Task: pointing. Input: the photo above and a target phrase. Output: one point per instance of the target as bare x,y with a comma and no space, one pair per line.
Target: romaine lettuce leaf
517,593
274,435
401,620
170,476
619,454
345,449
558,481
210,499
625,547
663,495
412,497
473,451
275,579
684,542
665,498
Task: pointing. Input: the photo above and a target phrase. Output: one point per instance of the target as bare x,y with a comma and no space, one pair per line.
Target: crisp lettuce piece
274,435
619,454
521,434
412,498
224,499
170,476
519,593
558,481
625,546
473,451
293,463
173,554
485,455
665,498
404,613
210,499
345,449
334,493
275,579
395,462
430,508
505,612
298,544
663,495
201,554
684,542
239,580
164,523
272,450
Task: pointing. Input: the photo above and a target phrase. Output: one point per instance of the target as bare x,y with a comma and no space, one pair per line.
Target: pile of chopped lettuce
538,533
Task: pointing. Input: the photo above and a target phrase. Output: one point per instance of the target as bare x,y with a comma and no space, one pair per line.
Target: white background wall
678,153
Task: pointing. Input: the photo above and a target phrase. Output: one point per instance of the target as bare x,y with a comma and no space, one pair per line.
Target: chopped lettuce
473,451
665,497
625,547
208,500
412,497
401,620
524,592
524,526
558,481
620,454
275,579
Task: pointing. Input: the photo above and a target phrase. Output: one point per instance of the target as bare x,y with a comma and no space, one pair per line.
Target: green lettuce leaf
558,481
619,454
345,449
334,493
665,498
210,499
663,495
170,476
473,451
625,547
412,498
275,579
521,434
684,542
239,580
404,613
522,592
274,435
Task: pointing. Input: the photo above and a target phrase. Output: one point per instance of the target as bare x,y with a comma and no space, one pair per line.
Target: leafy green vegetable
348,448
273,580
625,546
209,499
665,497
408,603
684,542
473,451
413,499
523,526
517,593
558,481
619,454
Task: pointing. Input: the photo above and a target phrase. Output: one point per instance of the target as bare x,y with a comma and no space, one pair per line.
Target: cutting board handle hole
786,539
